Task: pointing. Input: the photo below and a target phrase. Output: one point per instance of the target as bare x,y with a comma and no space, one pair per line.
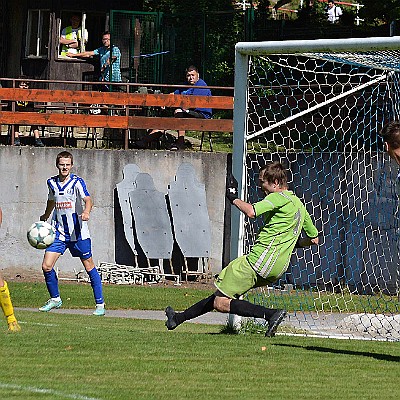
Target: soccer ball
41,235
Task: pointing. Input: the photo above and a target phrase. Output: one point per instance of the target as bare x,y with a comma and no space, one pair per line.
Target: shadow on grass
384,357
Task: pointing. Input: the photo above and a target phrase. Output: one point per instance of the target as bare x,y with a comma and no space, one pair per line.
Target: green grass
330,302
221,141
31,294
58,356
61,356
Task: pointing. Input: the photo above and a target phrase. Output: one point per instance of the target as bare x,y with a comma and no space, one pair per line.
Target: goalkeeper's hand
306,242
232,188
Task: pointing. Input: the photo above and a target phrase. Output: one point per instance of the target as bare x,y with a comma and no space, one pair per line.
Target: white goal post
318,107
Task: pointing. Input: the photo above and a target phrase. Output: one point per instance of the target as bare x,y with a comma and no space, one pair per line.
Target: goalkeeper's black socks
244,308
202,307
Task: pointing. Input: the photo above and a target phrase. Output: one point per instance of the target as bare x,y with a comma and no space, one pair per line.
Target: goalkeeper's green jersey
284,218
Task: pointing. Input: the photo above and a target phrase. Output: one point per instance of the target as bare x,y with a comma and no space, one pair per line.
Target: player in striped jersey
284,218
70,202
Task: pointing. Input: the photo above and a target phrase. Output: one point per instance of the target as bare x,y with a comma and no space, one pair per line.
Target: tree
378,12
178,6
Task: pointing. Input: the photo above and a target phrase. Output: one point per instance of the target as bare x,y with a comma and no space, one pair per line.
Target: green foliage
378,12
187,5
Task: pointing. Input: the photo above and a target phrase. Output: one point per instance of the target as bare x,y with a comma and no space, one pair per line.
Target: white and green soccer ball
41,235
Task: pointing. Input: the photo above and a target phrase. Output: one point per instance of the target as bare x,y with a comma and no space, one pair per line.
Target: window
72,30
37,34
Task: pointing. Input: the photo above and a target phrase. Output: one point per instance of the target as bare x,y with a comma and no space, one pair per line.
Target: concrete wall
23,174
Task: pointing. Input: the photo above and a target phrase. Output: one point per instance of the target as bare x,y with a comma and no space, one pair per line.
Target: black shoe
38,143
176,147
17,142
170,323
274,321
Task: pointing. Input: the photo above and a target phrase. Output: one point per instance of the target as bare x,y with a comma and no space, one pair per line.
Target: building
30,32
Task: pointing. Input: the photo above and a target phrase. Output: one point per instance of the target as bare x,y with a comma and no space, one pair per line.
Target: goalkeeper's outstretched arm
232,195
245,207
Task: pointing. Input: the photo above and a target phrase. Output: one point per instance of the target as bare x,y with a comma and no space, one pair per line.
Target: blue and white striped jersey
68,208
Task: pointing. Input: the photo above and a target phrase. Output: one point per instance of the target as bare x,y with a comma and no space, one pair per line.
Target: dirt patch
22,274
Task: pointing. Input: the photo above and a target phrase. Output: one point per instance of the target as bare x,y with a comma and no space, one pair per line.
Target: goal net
318,106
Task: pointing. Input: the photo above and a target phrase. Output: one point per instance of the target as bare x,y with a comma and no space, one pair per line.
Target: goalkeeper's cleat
14,327
100,310
50,304
274,321
170,323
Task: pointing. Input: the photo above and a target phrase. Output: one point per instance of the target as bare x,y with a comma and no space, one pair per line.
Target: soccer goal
318,107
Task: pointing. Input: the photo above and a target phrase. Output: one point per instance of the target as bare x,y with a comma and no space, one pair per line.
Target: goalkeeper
284,218
391,137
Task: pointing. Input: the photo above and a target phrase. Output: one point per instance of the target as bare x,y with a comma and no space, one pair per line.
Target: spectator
334,12
71,39
107,74
26,106
193,78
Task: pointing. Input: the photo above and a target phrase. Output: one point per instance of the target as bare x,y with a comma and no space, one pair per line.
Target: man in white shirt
334,12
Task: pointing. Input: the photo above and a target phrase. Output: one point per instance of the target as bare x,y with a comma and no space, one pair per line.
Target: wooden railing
62,108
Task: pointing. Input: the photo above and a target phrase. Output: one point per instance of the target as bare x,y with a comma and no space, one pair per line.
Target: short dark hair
64,154
391,134
105,33
191,68
274,172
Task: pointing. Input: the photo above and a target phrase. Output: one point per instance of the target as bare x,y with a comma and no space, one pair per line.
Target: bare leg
38,141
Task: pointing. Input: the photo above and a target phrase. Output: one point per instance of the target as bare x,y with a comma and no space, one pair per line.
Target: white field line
32,389
36,323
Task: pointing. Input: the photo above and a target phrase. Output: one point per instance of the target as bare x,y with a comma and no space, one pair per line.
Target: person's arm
49,208
108,63
306,242
88,207
245,207
232,195
69,42
73,43
85,54
310,230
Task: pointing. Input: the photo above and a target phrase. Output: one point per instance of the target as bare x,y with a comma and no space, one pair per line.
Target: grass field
59,356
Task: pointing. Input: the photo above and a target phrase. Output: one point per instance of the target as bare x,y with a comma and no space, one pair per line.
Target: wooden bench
126,102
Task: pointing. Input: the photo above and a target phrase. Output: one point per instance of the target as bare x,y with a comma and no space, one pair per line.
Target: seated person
193,78
26,106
